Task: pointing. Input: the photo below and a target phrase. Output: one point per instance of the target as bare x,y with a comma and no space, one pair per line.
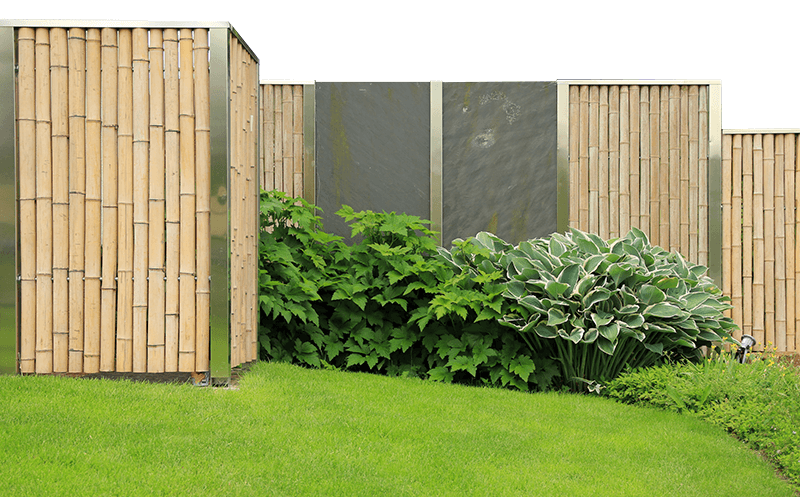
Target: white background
753,48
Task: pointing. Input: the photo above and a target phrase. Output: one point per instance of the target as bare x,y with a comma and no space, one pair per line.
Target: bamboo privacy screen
116,208
282,145
638,157
759,244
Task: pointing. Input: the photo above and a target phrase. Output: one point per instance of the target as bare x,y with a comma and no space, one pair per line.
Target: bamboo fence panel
727,214
768,154
27,197
77,193
281,155
59,78
736,219
44,211
780,247
114,195
172,201
759,258
156,272
790,219
747,235
235,181
94,200
646,145
188,212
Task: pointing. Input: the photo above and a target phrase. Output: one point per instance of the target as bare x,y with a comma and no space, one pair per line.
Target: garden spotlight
747,344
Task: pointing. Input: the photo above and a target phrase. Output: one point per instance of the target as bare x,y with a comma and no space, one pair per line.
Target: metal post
309,145
219,67
562,158
715,182
8,205
436,158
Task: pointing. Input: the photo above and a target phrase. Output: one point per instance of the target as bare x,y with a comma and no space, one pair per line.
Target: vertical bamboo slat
603,152
674,169
288,139
156,274
634,165
269,138
44,210
796,163
125,204
780,247
684,171
736,240
59,87
26,41
644,161
278,139
665,164
77,194
141,194
789,151
702,182
768,154
186,347
748,181
624,162
94,202
593,154
172,199
297,135
583,157
203,178
759,319
694,187
655,164
574,161
613,162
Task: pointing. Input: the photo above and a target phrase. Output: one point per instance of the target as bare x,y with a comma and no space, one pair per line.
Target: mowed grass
291,431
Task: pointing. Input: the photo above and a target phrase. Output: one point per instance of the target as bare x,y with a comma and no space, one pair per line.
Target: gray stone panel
499,160
372,149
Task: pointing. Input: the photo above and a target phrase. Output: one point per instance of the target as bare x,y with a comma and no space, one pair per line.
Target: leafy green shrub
598,307
759,402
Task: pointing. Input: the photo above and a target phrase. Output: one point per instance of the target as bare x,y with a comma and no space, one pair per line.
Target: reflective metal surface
436,158
715,182
219,66
562,158
8,209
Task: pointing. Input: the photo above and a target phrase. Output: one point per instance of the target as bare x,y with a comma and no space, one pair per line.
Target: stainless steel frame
436,159
9,251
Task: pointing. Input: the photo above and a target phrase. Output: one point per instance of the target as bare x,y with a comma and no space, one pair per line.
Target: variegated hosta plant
598,307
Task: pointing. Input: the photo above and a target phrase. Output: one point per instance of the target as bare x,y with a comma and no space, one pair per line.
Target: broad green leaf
555,317
585,284
601,318
597,295
590,335
657,348
532,303
514,289
522,366
632,320
606,345
650,294
556,247
610,332
545,331
555,288
441,374
662,310
569,276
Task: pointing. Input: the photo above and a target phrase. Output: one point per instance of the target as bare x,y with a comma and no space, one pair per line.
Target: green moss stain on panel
342,160
492,226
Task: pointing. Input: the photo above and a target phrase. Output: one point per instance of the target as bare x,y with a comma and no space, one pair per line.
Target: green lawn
291,431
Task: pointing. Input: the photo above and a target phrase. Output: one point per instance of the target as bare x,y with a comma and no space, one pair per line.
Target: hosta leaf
632,320
545,331
709,335
556,247
620,272
514,289
705,311
606,345
693,300
666,282
590,335
555,288
584,285
609,332
657,348
629,309
601,318
650,294
532,303
569,276
662,310
555,317
595,296
591,264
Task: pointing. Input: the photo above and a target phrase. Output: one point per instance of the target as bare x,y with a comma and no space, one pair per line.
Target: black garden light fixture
747,343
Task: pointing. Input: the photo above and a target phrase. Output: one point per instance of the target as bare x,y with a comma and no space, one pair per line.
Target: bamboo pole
789,151
574,161
759,261
288,141
583,158
186,350
624,162
278,139
26,41
665,167
269,137
94,202
252,189
634,165
655,161
780,246
77,194
593,155
768,151
156,273
236,212
602,185
125,204
203,147
613,161
737,235
797,244
748,181
644,160
727,221
172,200
694,187
684,171
674,169
141,194
59,86
44,210
297,93
702,166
